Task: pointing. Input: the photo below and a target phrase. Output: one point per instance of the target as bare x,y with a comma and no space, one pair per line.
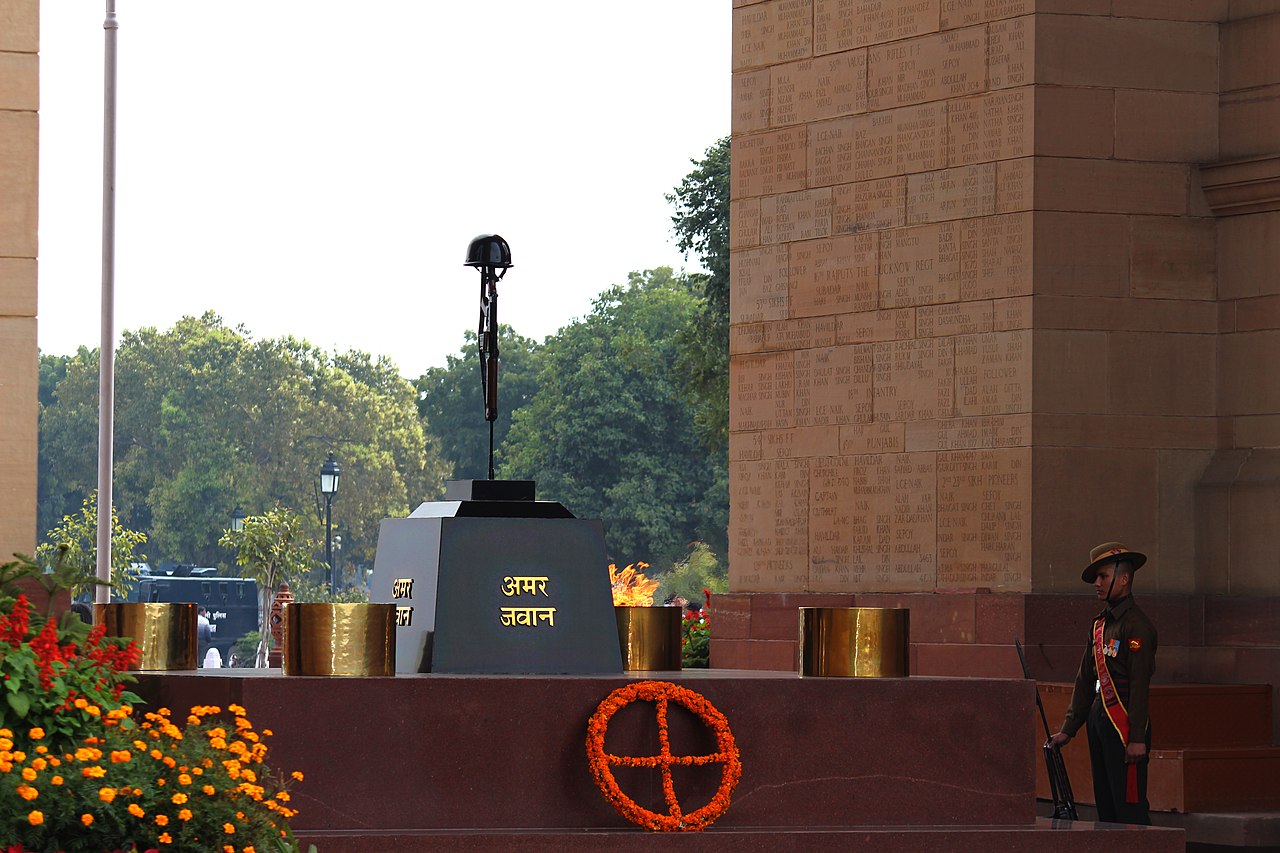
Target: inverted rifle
1064,804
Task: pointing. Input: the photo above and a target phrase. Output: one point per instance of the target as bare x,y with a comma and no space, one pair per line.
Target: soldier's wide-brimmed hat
1111,552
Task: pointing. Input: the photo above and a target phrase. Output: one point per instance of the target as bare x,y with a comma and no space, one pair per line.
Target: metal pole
107,347
328,540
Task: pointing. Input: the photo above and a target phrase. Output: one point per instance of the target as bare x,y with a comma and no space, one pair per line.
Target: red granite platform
434,762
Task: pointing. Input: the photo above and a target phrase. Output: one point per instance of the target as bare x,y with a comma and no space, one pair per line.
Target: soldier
1112,689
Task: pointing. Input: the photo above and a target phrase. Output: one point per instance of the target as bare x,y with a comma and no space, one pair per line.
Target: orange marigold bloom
27,792
6,744
297,774
81,703
39,764
156,754
56,780
36,733
165,838
208,789
139,745
267,733
184,779
162,820
5,733
169,761
178,798
120,756
229,828
185,814
93,771
35,818
237,709
136,810
42,750
29,774
106,794
86,819
93,711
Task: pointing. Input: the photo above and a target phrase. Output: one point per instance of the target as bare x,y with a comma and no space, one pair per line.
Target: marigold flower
140,746
56,780
162,820
27,792
136,810
156,754
29,774
36,733
5,743
93,771
120,756
5,733
42,750
184,779
81,703
35,818
185,814
229,828
178,798
237,709
86,819
39,764
93,711
165,838
208,789
106,794
297,774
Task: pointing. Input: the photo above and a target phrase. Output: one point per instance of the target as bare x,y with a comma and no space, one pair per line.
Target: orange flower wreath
662,693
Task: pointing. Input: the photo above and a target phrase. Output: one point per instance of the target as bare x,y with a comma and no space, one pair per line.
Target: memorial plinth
492,581
423,762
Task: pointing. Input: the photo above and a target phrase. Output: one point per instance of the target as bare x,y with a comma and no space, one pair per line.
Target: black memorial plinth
505,584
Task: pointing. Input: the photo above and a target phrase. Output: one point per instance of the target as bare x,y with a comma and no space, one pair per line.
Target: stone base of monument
438,762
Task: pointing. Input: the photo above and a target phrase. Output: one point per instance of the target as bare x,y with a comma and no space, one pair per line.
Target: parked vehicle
231,603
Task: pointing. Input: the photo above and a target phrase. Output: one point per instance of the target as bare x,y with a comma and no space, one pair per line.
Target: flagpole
107,346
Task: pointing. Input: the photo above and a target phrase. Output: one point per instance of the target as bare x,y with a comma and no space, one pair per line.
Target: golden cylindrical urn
858,642
339,639
164,631
650,638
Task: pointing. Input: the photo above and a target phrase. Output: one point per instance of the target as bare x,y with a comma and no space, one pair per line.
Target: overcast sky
318,168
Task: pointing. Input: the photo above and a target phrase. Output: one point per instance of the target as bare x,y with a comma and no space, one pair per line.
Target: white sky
318,168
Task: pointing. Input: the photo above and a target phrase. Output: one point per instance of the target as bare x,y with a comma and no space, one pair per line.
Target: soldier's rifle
1064,804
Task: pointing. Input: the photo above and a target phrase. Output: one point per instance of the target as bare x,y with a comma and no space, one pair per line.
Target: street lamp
237,520
329,472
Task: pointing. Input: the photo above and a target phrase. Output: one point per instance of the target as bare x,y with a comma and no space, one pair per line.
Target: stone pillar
1005,282
19,101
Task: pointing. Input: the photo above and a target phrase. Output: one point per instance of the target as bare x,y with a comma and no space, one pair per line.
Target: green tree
67,453
72,547
701,222
451,401
272,549
209,419
608,433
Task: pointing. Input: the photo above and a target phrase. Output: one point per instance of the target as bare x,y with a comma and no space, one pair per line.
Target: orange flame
630,587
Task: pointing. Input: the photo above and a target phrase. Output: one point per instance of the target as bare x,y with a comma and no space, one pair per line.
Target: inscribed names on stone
877,145
833,385
996,257
835,276
981,433
767,163
984,519
964,13
1013,313
750,98
953,318
879,437
746,337
1015,185
930,68
914,380
768,525
802,215
800,333
801,442
1011,53
869,205
993,373
875,326
771,33
763,391
872,523
822,88
959,193
846,24
744,223
920,265
993,126
759,284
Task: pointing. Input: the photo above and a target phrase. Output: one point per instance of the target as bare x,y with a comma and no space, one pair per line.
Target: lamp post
329,472
237,520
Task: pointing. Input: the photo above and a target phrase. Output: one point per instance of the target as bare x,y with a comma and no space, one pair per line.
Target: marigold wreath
662,693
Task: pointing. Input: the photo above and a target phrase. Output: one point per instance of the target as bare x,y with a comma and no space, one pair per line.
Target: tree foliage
608,432
272,549
208,419
701,223
451,401
71,548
